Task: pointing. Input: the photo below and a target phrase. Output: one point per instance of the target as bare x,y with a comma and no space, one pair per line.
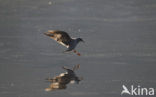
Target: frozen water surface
120,46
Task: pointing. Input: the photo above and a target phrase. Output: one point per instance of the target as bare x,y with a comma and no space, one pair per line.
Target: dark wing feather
62,37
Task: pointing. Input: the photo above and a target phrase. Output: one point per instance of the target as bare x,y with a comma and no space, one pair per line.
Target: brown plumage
64,39
61,81
59,36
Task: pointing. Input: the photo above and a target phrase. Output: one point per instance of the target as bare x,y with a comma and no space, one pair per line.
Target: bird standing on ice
64,39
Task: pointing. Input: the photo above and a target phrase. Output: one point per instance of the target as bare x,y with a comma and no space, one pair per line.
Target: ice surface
120,46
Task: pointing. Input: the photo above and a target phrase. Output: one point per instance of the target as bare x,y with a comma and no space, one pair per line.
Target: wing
69,71
54,79
57,85
62,38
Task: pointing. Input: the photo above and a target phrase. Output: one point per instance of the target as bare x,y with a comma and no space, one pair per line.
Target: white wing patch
67,46
63,44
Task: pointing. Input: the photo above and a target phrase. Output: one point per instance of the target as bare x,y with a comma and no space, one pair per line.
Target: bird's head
80,40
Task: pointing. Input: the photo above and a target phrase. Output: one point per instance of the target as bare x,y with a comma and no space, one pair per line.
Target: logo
137,90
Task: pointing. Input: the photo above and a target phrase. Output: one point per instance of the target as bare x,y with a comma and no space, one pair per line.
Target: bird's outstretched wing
60,36
68,70
56,86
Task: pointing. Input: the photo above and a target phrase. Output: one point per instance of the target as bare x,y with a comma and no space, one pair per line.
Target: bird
61,81
64,39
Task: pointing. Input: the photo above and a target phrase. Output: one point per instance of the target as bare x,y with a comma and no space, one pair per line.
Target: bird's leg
77,52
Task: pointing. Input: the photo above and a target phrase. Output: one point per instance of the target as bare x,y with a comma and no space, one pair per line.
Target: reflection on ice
60,81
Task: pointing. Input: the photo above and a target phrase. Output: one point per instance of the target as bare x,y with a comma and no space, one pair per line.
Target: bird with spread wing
64,39
61,81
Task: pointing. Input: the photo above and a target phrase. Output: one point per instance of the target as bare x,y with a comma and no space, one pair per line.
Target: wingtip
48,89
46,33
51,31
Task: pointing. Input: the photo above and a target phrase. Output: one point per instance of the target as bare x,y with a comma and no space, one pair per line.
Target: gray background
120,46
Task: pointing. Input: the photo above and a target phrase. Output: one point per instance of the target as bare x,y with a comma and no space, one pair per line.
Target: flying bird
64,39
61,81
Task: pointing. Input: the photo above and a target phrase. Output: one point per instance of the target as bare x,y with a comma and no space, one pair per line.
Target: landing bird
61,81
64,39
